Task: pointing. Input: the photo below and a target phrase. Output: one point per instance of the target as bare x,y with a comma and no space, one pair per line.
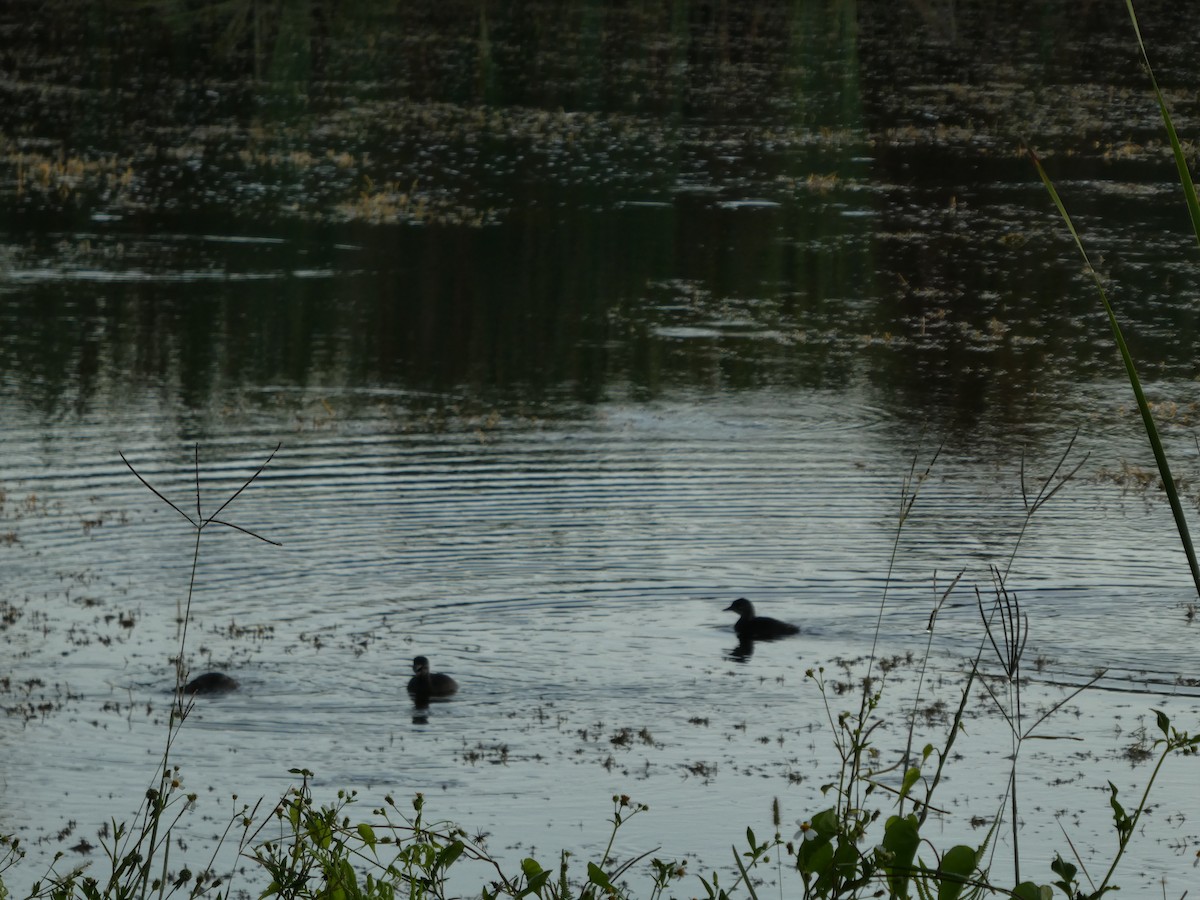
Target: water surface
572,329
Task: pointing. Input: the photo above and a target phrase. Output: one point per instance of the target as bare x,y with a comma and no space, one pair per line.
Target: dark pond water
576,323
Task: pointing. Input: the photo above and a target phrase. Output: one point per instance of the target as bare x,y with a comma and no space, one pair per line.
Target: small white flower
806,832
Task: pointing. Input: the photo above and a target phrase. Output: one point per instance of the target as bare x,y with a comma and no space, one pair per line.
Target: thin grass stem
1151,429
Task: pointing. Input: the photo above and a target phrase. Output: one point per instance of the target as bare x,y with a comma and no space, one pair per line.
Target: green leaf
537,882
826,823
320,833
1164,724
1066,870
957,866
1120,817
1118,809
1027,890
597,877
745,875
815,857
367,834
530,867
910,778
845,859
448,855
900,839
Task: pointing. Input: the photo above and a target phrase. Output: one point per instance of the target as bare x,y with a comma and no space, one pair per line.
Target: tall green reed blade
1160,456
1185,177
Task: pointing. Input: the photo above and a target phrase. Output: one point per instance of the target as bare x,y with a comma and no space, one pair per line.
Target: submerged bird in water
425,684
750,627
210,683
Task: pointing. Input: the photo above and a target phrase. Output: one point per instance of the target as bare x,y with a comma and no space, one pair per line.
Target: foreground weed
1193,207
1172,740
1051,485
910,489
319,853
853,848
1007,630
1148,424
139,855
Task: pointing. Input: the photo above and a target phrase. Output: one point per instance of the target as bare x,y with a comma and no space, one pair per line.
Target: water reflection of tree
613,200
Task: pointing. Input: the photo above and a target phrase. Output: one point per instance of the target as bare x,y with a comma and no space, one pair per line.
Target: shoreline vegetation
867,841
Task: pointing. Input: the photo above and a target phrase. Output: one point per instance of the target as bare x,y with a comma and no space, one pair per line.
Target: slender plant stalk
909,490
1124,842
1160,455
157,800
912,718
1044,494
1185,176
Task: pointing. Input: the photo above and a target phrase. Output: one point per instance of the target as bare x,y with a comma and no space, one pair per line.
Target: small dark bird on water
425,684
211,683
757,628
